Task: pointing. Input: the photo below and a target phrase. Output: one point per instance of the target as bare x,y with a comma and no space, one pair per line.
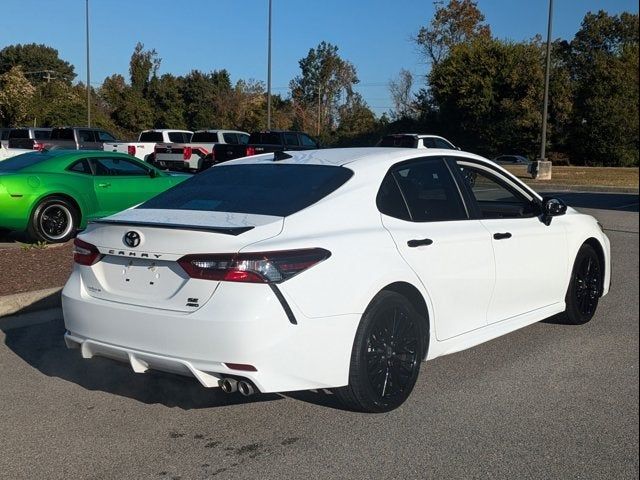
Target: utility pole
319,110
88,68
268,73
542,169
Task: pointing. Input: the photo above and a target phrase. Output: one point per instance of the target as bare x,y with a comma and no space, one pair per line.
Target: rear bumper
242,323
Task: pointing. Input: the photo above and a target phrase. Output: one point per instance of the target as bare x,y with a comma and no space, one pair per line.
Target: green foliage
39,63
16,97
604,60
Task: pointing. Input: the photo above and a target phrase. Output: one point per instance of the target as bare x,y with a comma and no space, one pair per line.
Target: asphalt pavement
547,401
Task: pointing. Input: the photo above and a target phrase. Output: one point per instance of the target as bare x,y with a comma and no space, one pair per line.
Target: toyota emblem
132,239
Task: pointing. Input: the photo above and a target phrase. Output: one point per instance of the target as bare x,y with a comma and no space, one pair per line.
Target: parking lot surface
548,401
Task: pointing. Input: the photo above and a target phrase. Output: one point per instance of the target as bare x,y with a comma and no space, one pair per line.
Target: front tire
54,220
386,356
585,287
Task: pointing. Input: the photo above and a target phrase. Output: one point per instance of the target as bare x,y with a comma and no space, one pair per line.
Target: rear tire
585,287
54,220
386,356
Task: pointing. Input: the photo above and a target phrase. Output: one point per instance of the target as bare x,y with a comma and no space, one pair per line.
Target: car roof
166,130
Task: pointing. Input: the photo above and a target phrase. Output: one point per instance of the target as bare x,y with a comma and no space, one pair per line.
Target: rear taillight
262,267
38,146
250,151
131,150
84,253
186,153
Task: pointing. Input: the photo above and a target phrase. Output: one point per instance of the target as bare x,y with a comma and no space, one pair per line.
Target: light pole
543,167
268,73
88,68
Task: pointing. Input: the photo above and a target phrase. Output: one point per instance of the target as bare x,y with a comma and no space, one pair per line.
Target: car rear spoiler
235,231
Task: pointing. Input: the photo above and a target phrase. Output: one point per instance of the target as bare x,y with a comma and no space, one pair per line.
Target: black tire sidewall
358,375
572,312
34,222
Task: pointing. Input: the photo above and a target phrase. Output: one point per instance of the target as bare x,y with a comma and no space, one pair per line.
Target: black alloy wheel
386,356
585,287
54,220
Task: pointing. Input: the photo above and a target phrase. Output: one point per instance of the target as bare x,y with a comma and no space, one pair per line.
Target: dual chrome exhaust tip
231,385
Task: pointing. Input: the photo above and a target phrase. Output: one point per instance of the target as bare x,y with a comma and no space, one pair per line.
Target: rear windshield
19,133
62,134
17,163
265,139
205,137
398,141
42,134
264,189
150,137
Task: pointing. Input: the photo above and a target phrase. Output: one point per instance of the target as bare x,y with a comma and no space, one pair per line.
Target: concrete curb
29,308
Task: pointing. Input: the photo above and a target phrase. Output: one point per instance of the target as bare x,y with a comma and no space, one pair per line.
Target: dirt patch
583,176
23,269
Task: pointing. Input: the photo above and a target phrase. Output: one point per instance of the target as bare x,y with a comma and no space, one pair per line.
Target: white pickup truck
144,148
206,148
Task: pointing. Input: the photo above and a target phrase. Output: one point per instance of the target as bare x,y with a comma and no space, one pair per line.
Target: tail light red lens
38,146
262,267
186,153
250,151
85,254
131,150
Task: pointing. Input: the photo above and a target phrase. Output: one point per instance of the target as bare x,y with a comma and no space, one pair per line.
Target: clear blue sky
215,34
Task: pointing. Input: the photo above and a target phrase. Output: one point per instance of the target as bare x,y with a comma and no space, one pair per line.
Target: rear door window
291,140
103,136
230,138
429,191
440,143
86,136
62,134
263,189
42,134
265,138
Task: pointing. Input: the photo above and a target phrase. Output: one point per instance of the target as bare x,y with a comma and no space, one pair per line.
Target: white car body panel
469,298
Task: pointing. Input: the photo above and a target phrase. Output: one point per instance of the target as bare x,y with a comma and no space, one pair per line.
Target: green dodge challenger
52,194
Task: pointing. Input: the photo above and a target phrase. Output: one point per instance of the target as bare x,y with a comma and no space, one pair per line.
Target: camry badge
132,239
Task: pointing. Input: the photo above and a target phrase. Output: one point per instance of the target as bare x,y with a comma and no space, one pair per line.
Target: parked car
51,194
512,160
263,142
337,268
30,138
78,138
416,140
205,148
144,148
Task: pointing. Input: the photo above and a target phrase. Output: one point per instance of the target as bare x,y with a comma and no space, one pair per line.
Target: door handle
502,236
104,185
418,243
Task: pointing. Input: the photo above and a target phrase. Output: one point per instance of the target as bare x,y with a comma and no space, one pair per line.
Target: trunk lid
144,271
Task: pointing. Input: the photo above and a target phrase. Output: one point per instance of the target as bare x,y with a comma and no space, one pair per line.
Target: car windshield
263,189
17,163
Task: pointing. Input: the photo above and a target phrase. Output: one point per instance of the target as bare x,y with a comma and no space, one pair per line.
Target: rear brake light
131,150
38,146
84,253
262,267
250,151
186,153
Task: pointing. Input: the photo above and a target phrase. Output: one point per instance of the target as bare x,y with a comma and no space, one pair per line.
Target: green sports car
52,194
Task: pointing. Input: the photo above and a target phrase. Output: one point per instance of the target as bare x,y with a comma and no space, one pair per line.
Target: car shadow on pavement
42,346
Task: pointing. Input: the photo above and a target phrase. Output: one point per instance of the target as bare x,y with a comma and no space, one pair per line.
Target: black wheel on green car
54,220
585,287
386,356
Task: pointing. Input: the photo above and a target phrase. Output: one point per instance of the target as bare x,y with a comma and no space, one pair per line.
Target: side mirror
552,207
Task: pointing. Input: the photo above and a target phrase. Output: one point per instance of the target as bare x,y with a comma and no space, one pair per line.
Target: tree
604,64
326,82
143,66
39,63
358,124
166,98
488,95
458,22
16,97
400,89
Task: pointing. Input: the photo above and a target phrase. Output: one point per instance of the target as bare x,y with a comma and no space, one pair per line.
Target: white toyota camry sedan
340,269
